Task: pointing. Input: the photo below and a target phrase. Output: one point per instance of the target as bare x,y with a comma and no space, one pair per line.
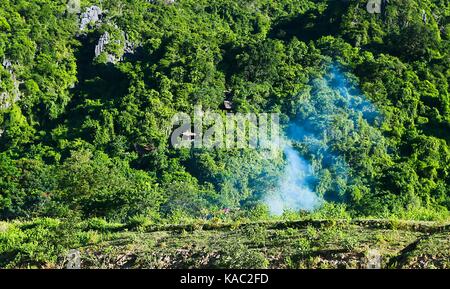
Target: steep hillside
87,98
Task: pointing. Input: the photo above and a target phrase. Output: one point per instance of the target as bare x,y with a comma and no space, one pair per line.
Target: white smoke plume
293,192
332,111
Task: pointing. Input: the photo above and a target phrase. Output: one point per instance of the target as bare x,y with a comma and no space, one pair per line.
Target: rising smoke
333,111
293,193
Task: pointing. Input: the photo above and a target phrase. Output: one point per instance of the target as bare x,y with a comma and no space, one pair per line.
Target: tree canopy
371,92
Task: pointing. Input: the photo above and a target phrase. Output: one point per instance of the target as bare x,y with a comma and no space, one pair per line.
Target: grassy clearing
44,243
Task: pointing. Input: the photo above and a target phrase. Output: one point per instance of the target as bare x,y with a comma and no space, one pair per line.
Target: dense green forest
85,126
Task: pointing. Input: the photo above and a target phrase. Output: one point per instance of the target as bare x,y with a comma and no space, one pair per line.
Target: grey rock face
7,98
102,42
127,46
92,14
7,64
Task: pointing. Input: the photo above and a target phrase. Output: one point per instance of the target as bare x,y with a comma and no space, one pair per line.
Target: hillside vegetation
281,244
87,96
